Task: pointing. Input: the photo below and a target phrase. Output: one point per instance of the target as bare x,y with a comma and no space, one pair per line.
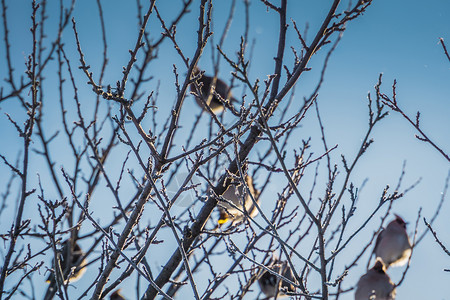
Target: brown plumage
235,194
117,295
208,87
375,283
271,285
71,264
393,245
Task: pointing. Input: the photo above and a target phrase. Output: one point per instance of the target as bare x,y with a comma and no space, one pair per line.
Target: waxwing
235,194
71,264
116,295
375,284
392,244
74,266
272,285
208,86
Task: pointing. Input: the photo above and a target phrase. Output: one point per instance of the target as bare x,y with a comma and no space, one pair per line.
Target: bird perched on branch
375,284
212,91
393,245
116,295
70,264
272,285
232,208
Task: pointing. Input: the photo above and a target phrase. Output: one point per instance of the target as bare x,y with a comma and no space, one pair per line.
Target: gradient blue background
396,38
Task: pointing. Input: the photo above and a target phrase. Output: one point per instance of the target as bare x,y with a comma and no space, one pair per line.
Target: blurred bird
70,260
271,285
375,284
116,295
71,264
235,194
208,87
392,244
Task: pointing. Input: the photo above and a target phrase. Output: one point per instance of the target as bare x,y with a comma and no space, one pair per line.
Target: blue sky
396,38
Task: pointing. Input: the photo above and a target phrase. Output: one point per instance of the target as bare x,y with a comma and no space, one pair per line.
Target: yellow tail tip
223,221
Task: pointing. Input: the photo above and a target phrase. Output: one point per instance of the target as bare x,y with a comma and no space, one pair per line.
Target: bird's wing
377,243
